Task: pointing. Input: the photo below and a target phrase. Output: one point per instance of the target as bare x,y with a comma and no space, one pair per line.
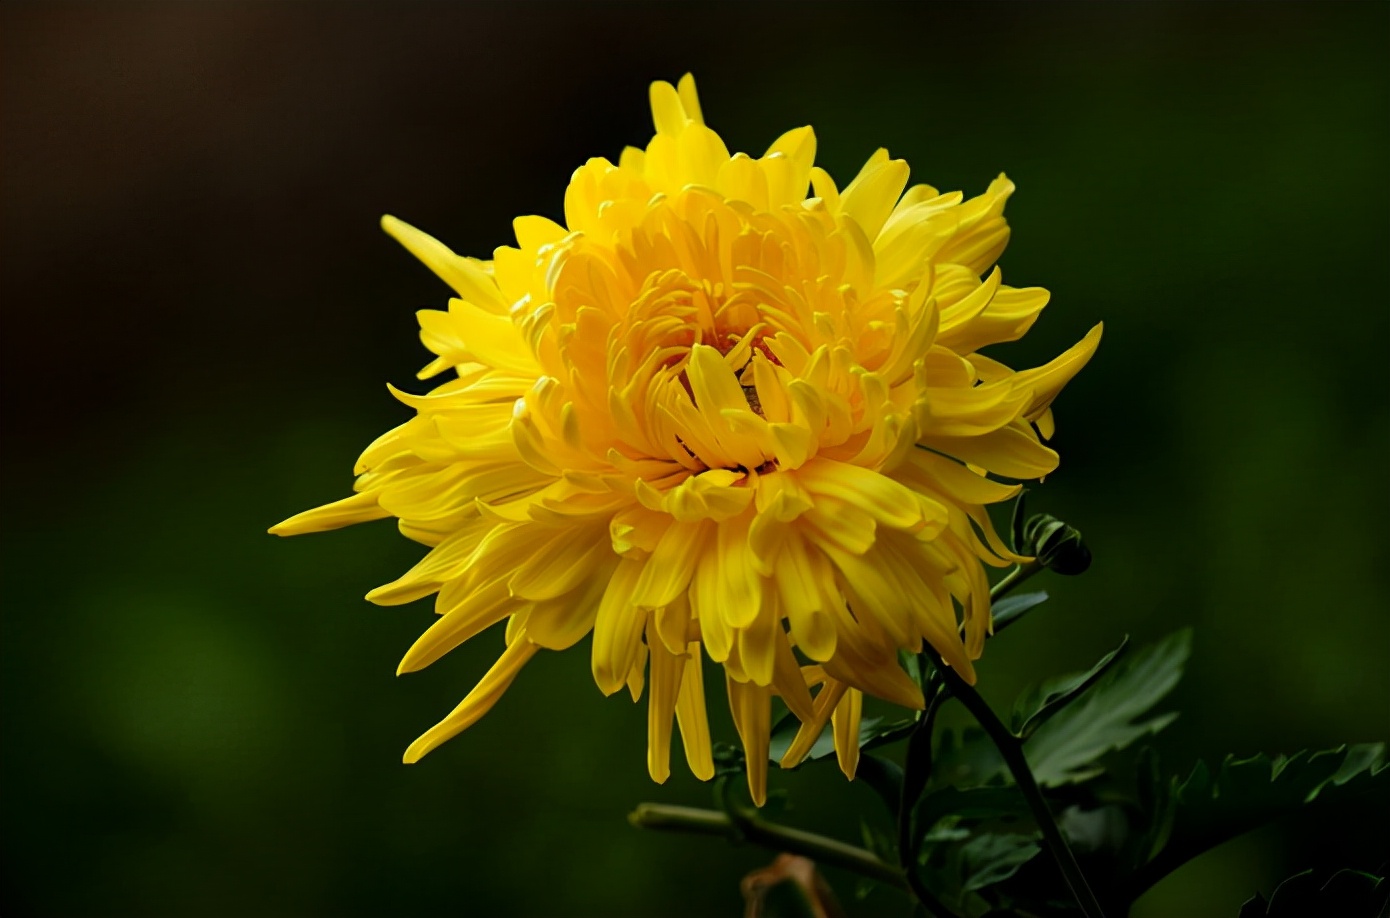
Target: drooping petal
618,628
845,723
692,717
666,671
478,702
752,710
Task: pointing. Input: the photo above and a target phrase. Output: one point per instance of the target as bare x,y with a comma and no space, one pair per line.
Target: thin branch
1011,749
663,818
1015,577
915,773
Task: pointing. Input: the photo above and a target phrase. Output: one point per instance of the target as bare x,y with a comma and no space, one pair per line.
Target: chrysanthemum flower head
728,409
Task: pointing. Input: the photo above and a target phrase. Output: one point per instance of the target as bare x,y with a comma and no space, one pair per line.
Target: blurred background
201,315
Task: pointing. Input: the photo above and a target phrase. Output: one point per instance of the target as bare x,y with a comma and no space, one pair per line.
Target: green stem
1015,577
916,770
818,848
1011,748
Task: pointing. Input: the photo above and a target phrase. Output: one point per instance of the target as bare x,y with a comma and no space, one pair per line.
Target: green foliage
1065,749
960,873
958,805
1035,706
882,846
873,732
1013,607
1205,808
965,758
1247,792
975,838
1345,894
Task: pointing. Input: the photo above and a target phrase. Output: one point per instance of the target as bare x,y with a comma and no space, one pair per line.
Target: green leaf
1246,793
883,846
1154,797
975,803
1038,704
965,758
959,873
1361,769
884,732
1099,829
990,859
1208,809
1013,607
873,732
911,665
1065,749
1346,894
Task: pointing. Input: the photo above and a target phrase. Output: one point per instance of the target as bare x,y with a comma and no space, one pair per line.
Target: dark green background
201,315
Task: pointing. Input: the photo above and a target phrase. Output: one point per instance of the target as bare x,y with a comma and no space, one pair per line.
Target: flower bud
1057,546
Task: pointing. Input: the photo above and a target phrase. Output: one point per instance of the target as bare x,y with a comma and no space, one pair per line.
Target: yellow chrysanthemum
714,415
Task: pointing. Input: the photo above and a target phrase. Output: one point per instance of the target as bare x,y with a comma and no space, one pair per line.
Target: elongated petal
478,702
617,629
845,723
666,671
692,717
359,508
752,710
459,273
825,704
666,574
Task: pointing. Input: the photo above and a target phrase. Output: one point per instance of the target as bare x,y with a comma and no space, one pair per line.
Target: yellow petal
826,702
692,718
532,232
690,99
458,272
706,596
870,198
359,508
618,629
787,679
845,724
478,702
558,564
468,614
739,587
1012,451
560,623
757,646
637,675
668,115
800,593
666,574
1047,381
751,706
666,671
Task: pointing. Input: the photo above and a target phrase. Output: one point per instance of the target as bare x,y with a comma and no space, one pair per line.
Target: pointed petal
752,709
692,717
845,723
666,671
478,702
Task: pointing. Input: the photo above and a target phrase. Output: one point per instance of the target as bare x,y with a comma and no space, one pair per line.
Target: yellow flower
714,415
